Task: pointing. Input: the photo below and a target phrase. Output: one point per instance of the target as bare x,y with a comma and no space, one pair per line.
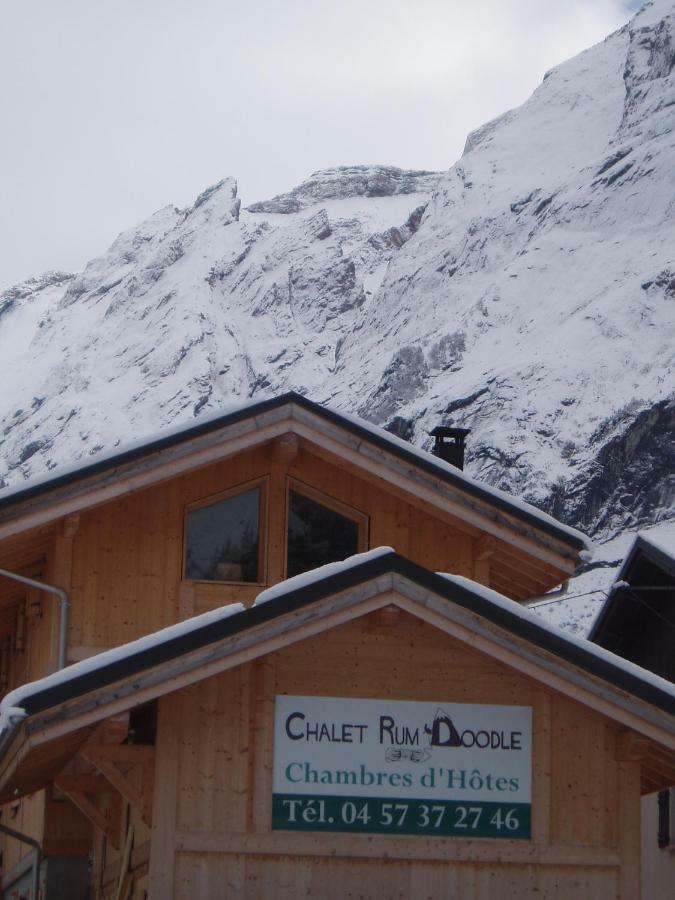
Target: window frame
263,519
665,817
343,509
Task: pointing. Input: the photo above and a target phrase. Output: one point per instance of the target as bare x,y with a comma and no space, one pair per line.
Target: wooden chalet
242,713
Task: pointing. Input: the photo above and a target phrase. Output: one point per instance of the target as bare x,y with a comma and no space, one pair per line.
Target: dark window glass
222,539
317,535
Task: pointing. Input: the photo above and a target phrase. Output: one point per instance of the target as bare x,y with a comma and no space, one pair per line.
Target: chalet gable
291,417
35,743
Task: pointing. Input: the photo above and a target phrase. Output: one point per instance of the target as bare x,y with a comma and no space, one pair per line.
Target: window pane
317,535
222,540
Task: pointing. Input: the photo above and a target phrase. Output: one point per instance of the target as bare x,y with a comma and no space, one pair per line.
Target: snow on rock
191,310
346,182
527,294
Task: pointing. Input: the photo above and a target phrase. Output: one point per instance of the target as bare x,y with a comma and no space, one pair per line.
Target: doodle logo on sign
442,732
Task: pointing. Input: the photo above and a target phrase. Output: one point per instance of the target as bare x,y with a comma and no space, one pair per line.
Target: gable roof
179,449
54,708
302,591
638,618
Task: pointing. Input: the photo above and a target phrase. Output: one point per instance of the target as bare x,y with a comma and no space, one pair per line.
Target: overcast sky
111,110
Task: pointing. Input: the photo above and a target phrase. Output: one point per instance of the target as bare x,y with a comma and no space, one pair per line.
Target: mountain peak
506,294
343,182
223,192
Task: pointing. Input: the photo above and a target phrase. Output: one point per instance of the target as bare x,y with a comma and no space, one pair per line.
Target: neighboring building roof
19,501
637,621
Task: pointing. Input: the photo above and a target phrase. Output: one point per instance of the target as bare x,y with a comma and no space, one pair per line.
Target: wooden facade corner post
630,838
163,841
542,767
631,749
486,547
284,451
262,742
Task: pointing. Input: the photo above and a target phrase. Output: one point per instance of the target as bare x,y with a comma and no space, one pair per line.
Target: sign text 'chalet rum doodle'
401,767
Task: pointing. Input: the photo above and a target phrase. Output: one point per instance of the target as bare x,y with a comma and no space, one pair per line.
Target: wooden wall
658,864
212,833
121,563
127,555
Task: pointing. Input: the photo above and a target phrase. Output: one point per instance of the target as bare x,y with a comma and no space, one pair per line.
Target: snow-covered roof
107,464
129,660
658,550
663,543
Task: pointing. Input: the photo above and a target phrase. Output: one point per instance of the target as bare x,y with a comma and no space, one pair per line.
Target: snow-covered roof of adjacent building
241,426
638,617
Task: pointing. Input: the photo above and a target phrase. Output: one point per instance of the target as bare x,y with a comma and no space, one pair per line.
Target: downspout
37,855
552,595
64,603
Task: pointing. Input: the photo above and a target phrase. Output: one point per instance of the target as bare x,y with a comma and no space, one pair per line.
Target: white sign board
402,767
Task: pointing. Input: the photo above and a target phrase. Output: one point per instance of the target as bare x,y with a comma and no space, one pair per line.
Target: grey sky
111,110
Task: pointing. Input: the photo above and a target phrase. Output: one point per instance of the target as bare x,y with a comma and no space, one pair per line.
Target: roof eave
373,570
206,442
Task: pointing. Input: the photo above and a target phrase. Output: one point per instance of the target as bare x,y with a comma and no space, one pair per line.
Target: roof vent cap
449,444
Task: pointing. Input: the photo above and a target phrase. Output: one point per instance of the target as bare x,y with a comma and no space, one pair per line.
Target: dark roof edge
431,466
296,598
641,546
656,554
141,450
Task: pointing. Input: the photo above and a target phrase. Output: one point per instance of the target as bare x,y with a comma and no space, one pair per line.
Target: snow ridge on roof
12,706
11,709
663,541
526,615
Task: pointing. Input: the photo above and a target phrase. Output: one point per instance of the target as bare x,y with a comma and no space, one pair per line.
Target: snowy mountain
528,294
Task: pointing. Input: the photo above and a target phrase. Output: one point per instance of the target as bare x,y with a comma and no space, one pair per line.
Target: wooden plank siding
127,554
215,821
122,564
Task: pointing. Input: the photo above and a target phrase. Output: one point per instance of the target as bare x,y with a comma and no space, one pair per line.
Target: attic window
222,538
320,530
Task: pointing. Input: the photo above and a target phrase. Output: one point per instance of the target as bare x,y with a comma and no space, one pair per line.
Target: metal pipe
64,603
552,595
37,855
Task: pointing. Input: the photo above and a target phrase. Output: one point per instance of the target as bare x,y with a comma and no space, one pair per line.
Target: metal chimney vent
449,444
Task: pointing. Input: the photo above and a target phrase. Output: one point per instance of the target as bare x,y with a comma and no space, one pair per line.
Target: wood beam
85,783
125,877
518,577
121,753
117,779
536,568
285,449
485,548
90,811
631,746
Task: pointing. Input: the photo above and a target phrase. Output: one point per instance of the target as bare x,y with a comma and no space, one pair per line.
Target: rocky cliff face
528,294
347,182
